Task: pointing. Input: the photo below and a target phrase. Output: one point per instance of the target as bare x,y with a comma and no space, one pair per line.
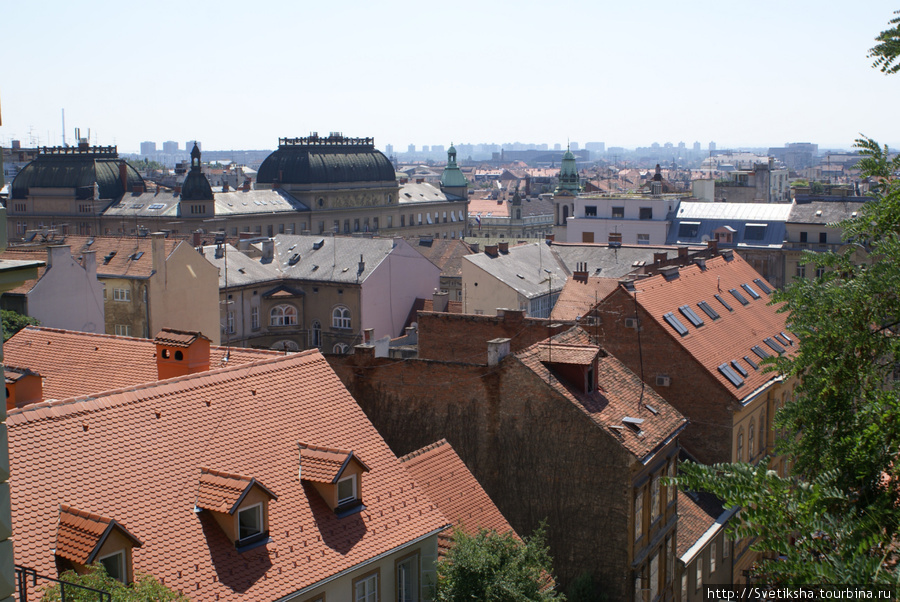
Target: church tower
453,182
197,198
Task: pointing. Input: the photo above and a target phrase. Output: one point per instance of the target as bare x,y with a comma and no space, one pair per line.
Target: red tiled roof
619,394
12,374
77,363
222,491
697,513
324,464
134,454
732,336
582,355
177,338
80,534
450,485
578,297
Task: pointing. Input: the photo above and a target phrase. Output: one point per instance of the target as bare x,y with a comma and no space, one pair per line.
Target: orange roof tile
578,297
79,535
77,363
449,484
620,394
735,333
697,514
324,464
134,454
178,338
581,355
223,492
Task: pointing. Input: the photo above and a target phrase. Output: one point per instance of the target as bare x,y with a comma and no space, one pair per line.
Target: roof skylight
734,292
760,352
675,323
765,287
750,291
731,375
708,310
753,364
692,317
773,344
723,302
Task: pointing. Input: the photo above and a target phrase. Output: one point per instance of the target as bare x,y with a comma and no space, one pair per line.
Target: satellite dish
704,238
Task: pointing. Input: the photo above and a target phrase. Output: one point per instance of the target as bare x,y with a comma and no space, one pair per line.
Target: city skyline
467,73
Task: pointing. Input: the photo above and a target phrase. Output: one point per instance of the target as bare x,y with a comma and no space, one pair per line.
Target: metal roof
734,217
313,163
524,268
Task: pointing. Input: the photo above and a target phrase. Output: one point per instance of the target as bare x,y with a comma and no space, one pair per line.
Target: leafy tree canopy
887,51
491,567
14,322
144,588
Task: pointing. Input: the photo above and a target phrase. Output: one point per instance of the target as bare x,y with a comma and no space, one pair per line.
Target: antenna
64,127
637,327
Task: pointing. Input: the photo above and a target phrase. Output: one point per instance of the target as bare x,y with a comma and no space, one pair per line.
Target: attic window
156,206
731,375
708,310
294,259
109,257
337,476
750,291
633,423
723,302
346,490
692,317
737,366
773,344
753,364
760,352
755,231
734,292
80,537
675,323
136,256
765,288
789,340
239,504
688,229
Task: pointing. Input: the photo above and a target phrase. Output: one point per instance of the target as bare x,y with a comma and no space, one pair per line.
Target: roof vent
318,244
109,257
633,423
294,259
669,272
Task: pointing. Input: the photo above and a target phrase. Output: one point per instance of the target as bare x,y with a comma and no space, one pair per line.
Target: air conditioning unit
662,380
631,323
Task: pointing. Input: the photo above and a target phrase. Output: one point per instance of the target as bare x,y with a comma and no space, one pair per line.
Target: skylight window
708,310
750,291
753,364
675,323
156,206
633,423
723,302
737,366
760,352
755,231
734,292
731,375
781,339
765,287
773,344
692,317
787,338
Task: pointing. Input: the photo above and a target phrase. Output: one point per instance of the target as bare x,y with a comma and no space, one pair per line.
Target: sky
239,75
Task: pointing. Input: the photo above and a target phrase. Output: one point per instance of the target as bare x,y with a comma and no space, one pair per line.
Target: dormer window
337,476
239,504
83,538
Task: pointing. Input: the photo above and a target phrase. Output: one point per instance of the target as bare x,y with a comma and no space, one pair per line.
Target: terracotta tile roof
578,296
79,534
735,333
178,338
697,513
449,484
484,206
324,464
134,454
581,355
620,394
446,254
12,374
77,363
222,491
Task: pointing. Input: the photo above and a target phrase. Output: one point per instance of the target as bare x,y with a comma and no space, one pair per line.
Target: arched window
740,445
316,334
340,317
283,315
341,348
762,433
751,434
286,346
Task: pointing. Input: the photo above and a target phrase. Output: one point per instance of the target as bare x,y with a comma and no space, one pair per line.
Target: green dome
452,177
331,160
78,168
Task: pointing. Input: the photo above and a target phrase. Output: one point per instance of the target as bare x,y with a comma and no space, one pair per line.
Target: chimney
362,265
580,274
369,335
503,247
268,251
363,353
22,387
197,238
181,352
682,252
177,190
728,254
490,250
474,246
497,350
712,245
246,186
628,283
441,300
89,263
225,187
123,175
158,253
669,272
550,238
512,315
409,331
137,189
58,254
701,262
659,257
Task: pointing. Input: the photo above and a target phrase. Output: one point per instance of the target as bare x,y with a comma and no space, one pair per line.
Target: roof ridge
424,450
28,410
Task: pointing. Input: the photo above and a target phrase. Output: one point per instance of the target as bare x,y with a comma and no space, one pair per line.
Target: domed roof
568,156
78,168
330,160
196,187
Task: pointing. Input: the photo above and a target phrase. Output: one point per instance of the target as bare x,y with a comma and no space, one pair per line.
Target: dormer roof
80,534
13,374
224,492
325,464
579,355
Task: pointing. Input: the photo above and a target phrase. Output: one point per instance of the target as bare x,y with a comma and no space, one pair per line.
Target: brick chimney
440,300
197,238
682,252
246,186
181,352
123,175
369,336
89,263
550,237
712,245
580,274
225,187
503,247
490,250
497,350
660,257
22,387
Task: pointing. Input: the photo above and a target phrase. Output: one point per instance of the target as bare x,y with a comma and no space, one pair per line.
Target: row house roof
532,270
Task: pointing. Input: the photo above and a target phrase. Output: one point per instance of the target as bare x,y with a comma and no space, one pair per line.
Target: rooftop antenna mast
64,127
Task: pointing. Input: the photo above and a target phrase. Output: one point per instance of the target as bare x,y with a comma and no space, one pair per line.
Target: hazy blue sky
240,74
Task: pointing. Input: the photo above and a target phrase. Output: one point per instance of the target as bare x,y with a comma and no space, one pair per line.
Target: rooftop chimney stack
503,247
581,272
497,350
441,300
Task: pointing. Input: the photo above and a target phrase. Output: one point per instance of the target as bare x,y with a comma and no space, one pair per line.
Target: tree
14,322
491,567
836,519
887,51
145,587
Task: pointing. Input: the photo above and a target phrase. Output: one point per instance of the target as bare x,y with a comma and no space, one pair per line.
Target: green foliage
14,322
147,165
887,51
144,588
491,567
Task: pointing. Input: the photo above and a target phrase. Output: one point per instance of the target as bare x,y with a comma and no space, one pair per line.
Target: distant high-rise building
712,146
189,145
573,145
389,150
438,148
148,148
170,147
557,146
595,146
411,148
697,147
668,145
681,146
426,148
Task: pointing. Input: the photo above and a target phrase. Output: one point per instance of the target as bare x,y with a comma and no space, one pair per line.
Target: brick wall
534,452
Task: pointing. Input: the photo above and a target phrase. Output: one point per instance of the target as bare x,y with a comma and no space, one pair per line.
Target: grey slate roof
710,216
337,260
523,269
421,193
165,203
823,212
612,262
242,270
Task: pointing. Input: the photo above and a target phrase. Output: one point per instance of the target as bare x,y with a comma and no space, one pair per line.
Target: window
762,432
249,522
340,317
755,231
684,588
823,238
123,330
346,490
698,573
654,499
283,315
390,221
801,270
366,589
638,515
725,547
420,219
408,579
615,237
254,318
820,272
340,348
646,213
316,334
803,237
708,310
229,328
654,576
688,229
643,239
115,565
751,434
618,212
740,445
670,559
675,323
670,488
402,221
121,294
590,211
712,557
